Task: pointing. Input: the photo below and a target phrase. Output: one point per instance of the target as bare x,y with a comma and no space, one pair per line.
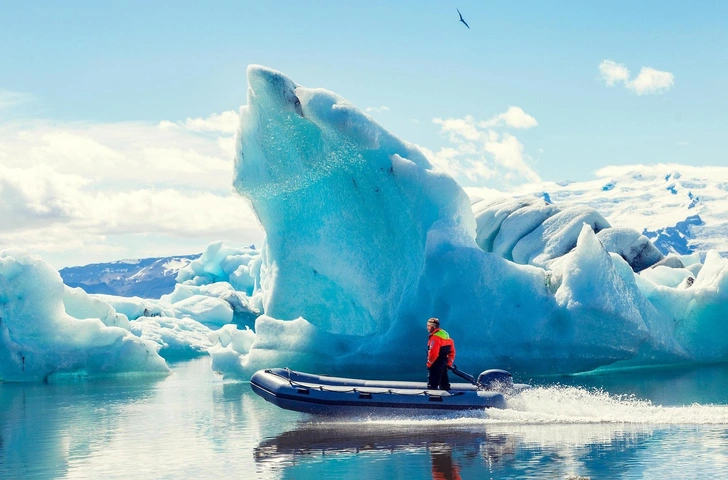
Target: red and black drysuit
440,355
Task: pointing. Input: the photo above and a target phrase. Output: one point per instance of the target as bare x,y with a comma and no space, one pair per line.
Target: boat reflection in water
467,448
351,450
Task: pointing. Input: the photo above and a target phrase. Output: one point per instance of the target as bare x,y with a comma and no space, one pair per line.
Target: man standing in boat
440,356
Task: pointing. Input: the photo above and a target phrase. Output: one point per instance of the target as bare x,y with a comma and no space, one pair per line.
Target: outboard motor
495,380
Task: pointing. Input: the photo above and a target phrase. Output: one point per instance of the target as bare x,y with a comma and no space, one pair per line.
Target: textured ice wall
347,207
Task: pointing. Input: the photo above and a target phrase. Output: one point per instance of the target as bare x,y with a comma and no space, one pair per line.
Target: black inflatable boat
321,394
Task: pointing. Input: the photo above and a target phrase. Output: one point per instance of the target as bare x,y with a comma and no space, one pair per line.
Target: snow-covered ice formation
533,231
49,331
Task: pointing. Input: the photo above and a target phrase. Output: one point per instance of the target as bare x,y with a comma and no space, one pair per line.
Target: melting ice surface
365,241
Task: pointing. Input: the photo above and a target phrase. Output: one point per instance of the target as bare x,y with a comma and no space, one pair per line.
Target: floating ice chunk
557,235
519,224
230,336
135,307
490,216
80,304
231,345
666,276
209,311
660,346
531,230
39,340
695,268
597,297
670,261
634,247
714,273
178,338
244,313
294,342
181,292
217,263
703,329
242,279
691,259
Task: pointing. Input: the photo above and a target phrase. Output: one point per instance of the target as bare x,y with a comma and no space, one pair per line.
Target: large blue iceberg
366,240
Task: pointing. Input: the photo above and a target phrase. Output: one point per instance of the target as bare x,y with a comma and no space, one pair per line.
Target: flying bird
461,18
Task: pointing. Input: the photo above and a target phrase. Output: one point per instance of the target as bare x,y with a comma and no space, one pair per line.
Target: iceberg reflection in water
462,448
191,424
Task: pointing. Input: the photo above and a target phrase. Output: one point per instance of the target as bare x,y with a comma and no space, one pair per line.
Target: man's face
431,328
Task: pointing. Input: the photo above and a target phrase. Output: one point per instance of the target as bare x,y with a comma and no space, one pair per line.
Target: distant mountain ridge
145,278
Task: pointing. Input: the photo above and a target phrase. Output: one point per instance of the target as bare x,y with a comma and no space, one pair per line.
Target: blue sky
100,77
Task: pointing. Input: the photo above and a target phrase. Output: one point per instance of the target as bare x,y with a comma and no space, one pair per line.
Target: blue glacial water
666,423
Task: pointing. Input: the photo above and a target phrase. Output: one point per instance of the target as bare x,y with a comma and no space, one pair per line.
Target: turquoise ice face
345,204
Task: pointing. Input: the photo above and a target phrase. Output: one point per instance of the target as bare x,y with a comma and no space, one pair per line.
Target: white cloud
649,80
124,155
459,127
381,109
76,193
508,152
225,122
480,154
613,72
36,195
514,117
459,164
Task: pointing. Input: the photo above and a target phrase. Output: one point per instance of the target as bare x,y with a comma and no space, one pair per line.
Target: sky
117,119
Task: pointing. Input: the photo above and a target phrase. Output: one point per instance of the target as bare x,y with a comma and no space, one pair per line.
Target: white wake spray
574,405
565,405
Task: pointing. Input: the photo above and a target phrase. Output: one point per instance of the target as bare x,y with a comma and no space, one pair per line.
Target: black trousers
437,378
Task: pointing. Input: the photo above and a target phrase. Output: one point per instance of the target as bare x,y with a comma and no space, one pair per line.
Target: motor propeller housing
496,380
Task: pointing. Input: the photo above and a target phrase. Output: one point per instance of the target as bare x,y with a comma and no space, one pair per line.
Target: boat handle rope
321,388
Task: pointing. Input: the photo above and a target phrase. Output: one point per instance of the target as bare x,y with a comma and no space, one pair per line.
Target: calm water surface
649,424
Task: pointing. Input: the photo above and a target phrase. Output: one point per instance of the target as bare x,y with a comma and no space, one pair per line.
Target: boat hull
324,395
